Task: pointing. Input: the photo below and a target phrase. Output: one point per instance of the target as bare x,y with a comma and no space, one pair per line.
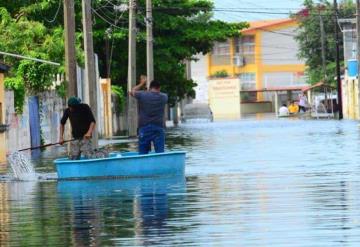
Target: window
220,54
245,47
221,48
247,81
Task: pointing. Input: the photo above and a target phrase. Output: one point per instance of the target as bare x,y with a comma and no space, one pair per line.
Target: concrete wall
256,107
350,97
283,79
51,109
280,47
18,135
119,120
199,75
2,121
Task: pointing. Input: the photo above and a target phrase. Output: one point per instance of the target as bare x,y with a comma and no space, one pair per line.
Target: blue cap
73,101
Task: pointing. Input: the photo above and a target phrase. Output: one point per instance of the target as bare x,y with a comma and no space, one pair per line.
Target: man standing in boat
151,105
82,124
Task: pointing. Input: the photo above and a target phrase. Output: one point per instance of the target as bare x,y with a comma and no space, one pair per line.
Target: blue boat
129,164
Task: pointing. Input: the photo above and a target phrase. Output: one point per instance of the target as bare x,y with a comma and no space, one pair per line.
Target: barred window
220,54
245,47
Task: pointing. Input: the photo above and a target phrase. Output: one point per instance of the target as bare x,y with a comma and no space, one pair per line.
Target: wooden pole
70,52
132,104
149,43
90,74
323,57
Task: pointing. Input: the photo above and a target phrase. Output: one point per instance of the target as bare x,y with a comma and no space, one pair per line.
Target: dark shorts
151,134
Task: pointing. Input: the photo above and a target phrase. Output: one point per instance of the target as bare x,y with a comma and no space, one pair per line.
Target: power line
56,13
107,21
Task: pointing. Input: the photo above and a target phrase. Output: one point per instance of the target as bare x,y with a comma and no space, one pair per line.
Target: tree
309,38
181,30
31,38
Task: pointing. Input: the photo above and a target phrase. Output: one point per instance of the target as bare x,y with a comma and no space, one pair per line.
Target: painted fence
18,134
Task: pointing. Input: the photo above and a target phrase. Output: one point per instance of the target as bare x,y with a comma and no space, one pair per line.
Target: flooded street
255,182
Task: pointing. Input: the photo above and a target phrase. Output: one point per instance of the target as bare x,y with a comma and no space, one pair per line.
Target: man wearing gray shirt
151,105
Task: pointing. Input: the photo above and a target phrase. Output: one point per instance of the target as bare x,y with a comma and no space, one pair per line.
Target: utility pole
132,104
149,43
323,58
338,75
70,53
107,52
90,75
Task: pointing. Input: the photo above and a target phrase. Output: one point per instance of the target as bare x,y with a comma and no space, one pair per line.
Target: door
34,119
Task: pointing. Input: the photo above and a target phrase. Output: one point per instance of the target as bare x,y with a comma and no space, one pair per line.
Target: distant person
151,105
283,111
293,108
302,102
82,125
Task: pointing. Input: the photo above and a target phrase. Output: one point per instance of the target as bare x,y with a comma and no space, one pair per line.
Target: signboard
224,98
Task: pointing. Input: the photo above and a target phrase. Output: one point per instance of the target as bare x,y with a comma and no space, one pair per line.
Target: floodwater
255,182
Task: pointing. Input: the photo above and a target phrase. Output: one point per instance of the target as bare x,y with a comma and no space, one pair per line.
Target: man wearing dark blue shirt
151,105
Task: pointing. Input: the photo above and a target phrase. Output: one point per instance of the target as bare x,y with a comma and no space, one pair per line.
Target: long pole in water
43,146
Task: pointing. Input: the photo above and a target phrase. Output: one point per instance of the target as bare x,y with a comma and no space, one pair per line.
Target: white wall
280,47
51,110
199,75
18,135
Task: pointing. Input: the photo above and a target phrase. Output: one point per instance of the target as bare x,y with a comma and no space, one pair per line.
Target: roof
318,85
277,89
4,68
254,25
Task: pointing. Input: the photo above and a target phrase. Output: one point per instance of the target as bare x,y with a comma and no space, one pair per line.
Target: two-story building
264,58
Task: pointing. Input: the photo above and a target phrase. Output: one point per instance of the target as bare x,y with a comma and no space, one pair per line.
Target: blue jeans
151,134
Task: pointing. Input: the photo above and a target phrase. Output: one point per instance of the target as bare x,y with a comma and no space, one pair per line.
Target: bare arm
90,130
138,87
61,140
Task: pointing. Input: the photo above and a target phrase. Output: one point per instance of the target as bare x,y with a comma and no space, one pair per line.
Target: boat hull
129,164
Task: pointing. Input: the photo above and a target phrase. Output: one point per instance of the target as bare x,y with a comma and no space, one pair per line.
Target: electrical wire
56,13
105,20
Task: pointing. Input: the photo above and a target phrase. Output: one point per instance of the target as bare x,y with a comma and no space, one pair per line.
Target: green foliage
221,74
17,85
121,96
309,38
38,77
30,38
61,89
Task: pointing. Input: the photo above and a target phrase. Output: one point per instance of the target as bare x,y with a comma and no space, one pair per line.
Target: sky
233,10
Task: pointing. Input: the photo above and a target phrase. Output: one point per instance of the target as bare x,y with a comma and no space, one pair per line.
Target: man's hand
61,140
87,136
142,83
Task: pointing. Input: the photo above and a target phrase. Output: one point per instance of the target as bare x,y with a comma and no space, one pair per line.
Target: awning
319,85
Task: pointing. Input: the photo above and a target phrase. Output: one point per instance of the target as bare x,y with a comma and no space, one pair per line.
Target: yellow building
265,56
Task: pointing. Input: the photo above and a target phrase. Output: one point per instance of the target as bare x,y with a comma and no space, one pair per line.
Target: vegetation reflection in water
263,182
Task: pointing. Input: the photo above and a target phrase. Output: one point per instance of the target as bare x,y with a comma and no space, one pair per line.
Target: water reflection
131,208
249,183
